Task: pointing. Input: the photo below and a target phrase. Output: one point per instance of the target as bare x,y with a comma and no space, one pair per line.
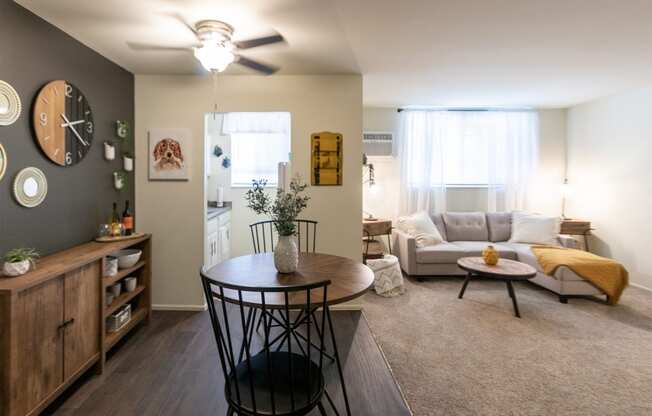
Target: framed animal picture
170,152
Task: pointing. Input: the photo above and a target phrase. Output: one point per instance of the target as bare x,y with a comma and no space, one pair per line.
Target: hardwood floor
171,367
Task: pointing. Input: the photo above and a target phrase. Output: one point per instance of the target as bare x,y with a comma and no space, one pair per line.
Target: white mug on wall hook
128,163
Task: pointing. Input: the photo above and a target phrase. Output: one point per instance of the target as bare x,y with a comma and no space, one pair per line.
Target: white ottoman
388,280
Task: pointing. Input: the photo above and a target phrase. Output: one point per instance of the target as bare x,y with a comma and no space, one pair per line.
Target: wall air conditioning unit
378,143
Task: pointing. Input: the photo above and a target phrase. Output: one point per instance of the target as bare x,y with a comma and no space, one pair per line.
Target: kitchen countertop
213,212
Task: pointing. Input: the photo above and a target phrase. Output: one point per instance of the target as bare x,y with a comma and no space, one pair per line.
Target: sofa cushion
499,225
420,226
474,249
534,228
441,253
439,223
466,226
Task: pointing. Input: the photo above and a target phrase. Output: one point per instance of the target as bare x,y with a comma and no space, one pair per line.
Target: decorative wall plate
3,161
9,104
30,187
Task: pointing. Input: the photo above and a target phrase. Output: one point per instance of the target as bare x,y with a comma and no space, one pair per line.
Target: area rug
473,357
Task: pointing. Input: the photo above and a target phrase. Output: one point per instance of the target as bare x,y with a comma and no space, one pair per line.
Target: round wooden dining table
349,279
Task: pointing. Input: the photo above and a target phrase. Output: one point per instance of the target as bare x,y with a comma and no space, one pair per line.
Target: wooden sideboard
52,322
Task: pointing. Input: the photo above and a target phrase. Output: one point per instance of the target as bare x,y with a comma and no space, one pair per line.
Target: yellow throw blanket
606,274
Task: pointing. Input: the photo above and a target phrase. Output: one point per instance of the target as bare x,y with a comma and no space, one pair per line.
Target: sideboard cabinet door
38,345
82,312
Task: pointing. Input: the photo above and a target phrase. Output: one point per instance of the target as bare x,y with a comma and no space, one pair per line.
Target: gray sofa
467,234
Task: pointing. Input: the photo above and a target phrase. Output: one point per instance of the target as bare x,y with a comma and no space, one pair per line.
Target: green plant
17,255
284,210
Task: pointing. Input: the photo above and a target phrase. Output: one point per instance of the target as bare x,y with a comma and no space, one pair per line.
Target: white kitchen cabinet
218,239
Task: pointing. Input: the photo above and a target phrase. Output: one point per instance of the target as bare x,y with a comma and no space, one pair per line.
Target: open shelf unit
113,337
140,299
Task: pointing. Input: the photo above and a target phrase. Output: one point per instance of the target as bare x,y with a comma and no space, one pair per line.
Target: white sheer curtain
421,151
492,150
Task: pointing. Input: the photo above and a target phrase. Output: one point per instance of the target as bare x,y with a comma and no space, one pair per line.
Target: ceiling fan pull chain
214,75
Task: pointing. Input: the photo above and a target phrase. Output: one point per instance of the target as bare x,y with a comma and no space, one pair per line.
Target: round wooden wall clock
63,123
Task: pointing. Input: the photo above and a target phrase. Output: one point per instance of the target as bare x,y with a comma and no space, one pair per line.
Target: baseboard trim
191,308
641,286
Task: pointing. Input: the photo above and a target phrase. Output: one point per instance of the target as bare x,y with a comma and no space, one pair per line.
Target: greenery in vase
17,255
284,210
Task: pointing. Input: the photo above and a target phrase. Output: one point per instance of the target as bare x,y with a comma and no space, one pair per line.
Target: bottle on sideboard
128,220
116,228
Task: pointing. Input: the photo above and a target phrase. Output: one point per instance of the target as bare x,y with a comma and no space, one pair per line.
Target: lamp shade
214,57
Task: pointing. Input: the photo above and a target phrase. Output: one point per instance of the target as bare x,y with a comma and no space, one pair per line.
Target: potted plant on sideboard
19,260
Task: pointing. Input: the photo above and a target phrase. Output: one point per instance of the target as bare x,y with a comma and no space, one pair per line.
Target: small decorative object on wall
3,161
30,187
169,154
63,123
284,211
128,162
109,151
121,129
217,151
10,105
226,162
18,261
119,180
326,161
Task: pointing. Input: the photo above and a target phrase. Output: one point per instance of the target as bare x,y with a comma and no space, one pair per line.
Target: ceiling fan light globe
214,57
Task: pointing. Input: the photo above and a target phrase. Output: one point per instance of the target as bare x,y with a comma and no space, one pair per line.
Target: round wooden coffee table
505,270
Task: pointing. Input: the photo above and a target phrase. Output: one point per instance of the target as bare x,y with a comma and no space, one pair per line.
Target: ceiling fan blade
252,43
179,18
256,66
153,48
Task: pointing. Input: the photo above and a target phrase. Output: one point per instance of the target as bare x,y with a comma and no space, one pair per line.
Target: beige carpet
473,357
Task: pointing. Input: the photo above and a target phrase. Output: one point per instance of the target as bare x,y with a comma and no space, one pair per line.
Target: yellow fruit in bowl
490,256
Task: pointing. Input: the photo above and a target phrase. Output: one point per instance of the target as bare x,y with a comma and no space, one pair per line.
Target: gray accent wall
32,53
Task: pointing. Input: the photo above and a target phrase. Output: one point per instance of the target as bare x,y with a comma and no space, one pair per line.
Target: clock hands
72,123
69,124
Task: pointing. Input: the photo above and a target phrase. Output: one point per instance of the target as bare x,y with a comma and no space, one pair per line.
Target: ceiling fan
216,51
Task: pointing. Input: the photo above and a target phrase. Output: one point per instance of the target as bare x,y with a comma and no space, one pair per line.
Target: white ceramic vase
16,269
286,254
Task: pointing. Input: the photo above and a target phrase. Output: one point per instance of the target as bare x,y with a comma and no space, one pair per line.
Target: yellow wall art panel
326,161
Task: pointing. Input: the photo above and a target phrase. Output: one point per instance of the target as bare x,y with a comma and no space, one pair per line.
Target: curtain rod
465,109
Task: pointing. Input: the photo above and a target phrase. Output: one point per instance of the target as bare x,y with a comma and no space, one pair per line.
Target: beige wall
610,173
383,200
174,211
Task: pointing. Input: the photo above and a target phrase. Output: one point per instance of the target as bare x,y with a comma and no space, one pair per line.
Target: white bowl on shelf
127,258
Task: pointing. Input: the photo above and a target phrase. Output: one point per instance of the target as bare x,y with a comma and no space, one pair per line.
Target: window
444,149
469,148
259,141
256,156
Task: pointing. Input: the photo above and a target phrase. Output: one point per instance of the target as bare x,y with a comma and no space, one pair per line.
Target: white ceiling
541,53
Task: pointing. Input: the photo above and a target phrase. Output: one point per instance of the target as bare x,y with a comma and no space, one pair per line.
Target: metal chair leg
230,412
322,411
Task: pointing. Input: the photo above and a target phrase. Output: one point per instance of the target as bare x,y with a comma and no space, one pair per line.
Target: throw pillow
421,227
534,228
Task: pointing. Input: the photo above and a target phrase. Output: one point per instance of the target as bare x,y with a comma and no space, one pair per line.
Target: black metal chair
264,235
259,379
